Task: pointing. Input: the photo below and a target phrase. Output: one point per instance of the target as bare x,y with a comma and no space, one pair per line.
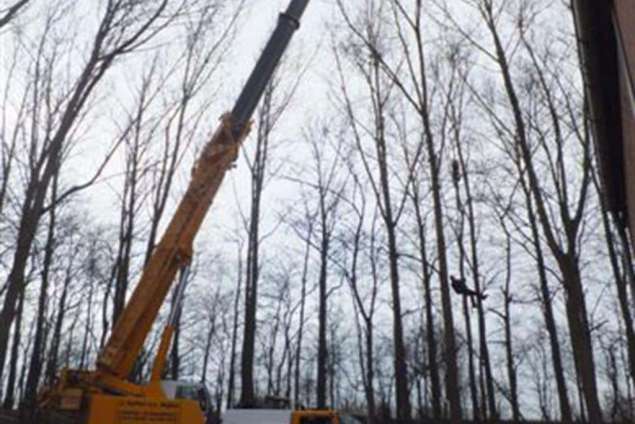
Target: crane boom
174,250
288,23
104,395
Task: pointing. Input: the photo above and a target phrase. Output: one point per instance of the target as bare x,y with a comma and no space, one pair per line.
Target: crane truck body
105,395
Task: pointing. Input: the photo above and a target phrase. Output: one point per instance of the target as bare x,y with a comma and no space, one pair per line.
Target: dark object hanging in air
460,287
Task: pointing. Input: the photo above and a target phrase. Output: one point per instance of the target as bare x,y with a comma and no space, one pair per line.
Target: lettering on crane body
148,412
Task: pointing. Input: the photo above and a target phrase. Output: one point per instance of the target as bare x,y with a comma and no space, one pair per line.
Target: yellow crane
105,395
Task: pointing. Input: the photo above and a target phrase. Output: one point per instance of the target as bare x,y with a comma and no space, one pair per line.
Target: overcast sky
311,102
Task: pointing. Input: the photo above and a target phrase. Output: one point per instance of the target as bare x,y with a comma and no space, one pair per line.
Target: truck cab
189,390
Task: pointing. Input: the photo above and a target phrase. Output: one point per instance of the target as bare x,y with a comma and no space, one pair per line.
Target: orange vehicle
105,395
315,416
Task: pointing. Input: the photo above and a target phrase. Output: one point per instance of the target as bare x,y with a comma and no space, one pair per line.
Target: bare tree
136,144
620,275
276,100
366,309
532,131
37,357
380,83
360,247
325,183
309,218
55,356
329,187
456,177
124,27
11,389
257,167
234,334
532,243
505,316
417,196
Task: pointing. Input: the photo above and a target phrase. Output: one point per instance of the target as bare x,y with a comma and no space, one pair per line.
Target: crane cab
186,390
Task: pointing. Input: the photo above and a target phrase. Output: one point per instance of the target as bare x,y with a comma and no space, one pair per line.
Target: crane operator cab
187,390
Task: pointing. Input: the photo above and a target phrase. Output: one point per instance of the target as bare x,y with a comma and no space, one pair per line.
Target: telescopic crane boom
174,251
106,390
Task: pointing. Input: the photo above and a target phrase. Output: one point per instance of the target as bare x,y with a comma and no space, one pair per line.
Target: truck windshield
193,392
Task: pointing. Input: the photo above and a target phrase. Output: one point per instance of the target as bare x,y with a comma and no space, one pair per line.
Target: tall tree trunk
9,398
566,258
509,351
366,334
56,339
88,326
476,412
322,359
290,362
298,347
450,354
258,167
400,362
232,359
456,177
129,206
476,279
431,342
580,334
175,355
547,308
208,347
15,282
247,393
270,352
370,374
621,285
35,364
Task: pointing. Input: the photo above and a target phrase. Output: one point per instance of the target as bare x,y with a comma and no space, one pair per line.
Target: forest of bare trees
414,228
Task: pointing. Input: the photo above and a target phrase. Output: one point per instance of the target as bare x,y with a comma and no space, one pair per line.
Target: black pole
288,23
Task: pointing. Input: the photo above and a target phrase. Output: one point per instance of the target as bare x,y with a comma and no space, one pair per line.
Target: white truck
280,416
